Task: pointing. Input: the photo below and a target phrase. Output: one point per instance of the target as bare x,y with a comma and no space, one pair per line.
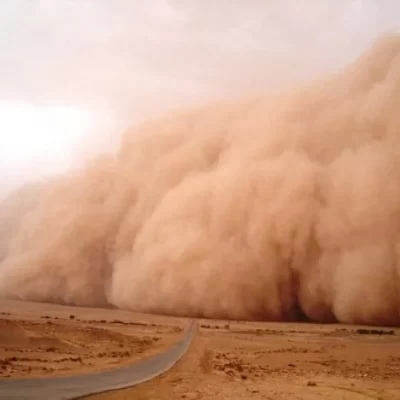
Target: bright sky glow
41,139
122,61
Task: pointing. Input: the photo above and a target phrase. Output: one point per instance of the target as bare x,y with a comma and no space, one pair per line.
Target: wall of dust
117,63
269,207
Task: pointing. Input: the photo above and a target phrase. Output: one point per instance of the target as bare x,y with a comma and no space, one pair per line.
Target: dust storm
277,206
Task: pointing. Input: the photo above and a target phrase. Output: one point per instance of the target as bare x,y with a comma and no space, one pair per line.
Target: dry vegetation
227,360
281,361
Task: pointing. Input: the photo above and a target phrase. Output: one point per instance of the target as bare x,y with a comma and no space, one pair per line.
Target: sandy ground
227,360
280,361
50,340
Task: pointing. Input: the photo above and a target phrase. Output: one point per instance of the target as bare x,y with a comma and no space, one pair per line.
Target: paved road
75,387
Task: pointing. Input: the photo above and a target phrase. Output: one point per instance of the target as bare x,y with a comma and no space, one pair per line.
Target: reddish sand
280,361
226,360
49,340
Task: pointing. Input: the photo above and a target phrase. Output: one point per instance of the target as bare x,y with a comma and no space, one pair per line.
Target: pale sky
77,71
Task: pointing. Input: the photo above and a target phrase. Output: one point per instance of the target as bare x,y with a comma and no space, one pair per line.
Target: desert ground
227,360
50,340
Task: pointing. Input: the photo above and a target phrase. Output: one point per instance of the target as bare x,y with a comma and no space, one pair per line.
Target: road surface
75,387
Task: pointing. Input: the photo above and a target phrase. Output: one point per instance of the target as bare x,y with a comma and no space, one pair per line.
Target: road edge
82,386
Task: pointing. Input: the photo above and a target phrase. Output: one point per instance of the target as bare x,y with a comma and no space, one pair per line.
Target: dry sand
49,340
227,360
280,361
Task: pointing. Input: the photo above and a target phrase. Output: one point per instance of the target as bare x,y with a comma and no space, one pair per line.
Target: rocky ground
281,361
227,360
48,340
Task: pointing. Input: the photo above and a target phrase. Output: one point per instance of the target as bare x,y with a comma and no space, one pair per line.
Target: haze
74,74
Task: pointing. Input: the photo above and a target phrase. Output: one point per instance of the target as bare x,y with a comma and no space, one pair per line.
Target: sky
74,73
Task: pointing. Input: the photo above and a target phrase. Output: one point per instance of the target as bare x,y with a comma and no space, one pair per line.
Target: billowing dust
277,207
